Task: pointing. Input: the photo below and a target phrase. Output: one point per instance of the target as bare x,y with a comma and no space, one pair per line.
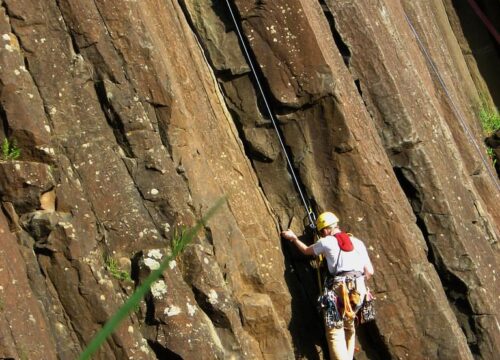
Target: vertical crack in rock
218,317
150,319
74,43
250,151
227,76
341,45
278,108
4,130
25,59
456,290
117,50
31,147
357,83
483,223
113,118
9,13
201,43
163,129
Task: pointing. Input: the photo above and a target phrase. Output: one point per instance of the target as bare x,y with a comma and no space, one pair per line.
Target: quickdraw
328,302
367,312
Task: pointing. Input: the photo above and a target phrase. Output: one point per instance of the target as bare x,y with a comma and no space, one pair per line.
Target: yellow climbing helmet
326,219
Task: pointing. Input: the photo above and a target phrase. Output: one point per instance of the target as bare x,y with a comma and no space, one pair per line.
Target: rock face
134,117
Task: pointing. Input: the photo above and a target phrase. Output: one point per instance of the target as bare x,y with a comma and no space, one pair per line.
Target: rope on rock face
454,106
310,213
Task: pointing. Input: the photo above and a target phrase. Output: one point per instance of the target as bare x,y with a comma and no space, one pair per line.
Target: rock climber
348,266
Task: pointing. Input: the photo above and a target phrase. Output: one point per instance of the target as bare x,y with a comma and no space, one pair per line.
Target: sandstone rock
259,316
48,200
418,148
171,304
22,106
22,183
22,316
280,36
213,24
134,117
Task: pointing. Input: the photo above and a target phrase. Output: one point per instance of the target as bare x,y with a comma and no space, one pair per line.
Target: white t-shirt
354,260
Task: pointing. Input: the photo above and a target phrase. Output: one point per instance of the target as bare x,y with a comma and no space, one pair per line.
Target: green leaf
15,153
9,150
5,148
490,118
131,304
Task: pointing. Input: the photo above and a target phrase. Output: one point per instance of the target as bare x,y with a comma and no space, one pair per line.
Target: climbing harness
340,299
454,106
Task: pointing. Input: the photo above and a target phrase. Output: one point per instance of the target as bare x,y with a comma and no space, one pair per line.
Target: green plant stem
124,310
142,290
